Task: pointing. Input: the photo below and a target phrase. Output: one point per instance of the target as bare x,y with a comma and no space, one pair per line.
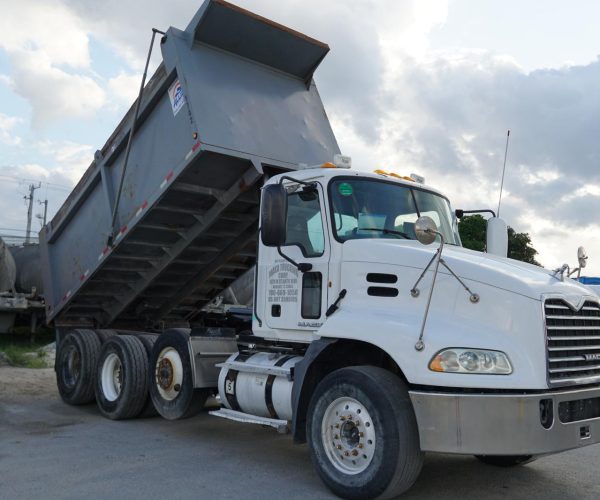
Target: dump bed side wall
253,108
236,110
161,142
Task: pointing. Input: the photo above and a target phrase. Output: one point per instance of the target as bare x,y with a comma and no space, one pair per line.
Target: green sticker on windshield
345,189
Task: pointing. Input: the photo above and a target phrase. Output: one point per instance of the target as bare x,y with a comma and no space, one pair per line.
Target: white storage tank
8,269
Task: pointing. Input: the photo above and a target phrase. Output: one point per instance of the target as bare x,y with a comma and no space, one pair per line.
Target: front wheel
363,433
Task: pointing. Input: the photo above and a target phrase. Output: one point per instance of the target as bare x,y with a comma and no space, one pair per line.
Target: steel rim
112,377
348,435
72,367
169,373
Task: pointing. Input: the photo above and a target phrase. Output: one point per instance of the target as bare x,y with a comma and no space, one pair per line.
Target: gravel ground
51,450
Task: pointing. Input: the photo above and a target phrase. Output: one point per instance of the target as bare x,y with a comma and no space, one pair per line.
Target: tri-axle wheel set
126,375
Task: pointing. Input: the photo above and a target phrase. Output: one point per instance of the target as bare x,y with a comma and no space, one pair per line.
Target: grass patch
23,353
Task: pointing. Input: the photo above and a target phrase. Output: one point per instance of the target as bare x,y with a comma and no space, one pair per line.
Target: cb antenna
503,171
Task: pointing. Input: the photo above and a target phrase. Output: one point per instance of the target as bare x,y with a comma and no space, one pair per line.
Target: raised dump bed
232,102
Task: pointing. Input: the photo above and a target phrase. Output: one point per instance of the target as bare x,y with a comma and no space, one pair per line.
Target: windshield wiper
386,231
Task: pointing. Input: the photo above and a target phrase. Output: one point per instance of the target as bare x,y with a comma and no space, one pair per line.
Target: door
297,300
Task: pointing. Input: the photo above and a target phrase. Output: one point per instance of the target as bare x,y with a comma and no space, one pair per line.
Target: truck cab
510,361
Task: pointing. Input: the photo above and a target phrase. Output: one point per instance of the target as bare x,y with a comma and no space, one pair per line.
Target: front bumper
507,424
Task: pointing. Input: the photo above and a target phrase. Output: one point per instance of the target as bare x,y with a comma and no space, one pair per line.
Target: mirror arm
460,213
420,345
303,267
287,177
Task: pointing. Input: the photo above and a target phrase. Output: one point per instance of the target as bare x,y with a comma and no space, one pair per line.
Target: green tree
473,229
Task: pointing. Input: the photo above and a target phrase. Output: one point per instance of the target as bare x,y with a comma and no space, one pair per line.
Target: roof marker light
342,161
380,172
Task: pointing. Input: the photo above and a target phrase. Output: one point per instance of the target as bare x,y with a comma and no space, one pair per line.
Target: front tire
363,433
76,362
171,379
122,378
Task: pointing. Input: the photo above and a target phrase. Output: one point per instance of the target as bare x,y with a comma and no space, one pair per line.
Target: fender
300,399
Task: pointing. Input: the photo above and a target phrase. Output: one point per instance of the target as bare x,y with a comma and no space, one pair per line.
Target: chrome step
238,416
251,368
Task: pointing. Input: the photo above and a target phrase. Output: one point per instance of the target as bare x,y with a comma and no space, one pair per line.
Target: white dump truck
373,335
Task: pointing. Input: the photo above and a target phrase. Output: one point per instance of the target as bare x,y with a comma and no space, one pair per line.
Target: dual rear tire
122,377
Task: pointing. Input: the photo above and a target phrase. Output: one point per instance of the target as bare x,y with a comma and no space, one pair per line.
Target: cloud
450,121
49,28
14,186
393,101
365,38
125,87
7,124
39,56
69,160
61,165
53,93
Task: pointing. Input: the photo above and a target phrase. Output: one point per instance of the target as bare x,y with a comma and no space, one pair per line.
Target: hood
500,272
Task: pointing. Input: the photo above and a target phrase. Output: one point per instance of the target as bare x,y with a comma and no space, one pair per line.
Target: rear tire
171,380
104,335
363,433
148,410
505,460
76,363
122,378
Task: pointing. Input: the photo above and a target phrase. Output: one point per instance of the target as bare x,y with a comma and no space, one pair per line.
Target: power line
50,185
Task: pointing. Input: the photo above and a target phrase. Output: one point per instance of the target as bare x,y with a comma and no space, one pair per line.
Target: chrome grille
573,340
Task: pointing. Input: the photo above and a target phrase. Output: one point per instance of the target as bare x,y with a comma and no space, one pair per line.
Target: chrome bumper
502,424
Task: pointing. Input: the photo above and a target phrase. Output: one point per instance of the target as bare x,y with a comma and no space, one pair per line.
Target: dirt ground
17,383
51,450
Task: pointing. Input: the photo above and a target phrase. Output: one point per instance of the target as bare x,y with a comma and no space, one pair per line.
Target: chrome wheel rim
348,435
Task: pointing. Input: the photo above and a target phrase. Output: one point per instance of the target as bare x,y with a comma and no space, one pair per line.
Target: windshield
365,208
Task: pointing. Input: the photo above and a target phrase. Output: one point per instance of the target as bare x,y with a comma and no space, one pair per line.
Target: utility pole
45,203
29,198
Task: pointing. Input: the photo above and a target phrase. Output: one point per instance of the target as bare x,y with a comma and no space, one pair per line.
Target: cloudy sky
423,86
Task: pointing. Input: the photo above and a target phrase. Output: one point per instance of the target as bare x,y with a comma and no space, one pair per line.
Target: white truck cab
508,363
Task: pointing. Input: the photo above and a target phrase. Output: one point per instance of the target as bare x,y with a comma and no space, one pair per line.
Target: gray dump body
189,206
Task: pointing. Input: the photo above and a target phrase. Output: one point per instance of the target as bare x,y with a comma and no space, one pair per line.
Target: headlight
478,361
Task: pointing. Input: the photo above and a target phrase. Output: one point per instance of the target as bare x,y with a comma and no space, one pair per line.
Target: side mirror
273,215
425,230
582,257
497,237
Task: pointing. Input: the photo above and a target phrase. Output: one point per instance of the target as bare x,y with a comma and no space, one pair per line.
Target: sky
410,86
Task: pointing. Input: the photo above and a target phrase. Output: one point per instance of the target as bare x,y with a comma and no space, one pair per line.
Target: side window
312,284
304,224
